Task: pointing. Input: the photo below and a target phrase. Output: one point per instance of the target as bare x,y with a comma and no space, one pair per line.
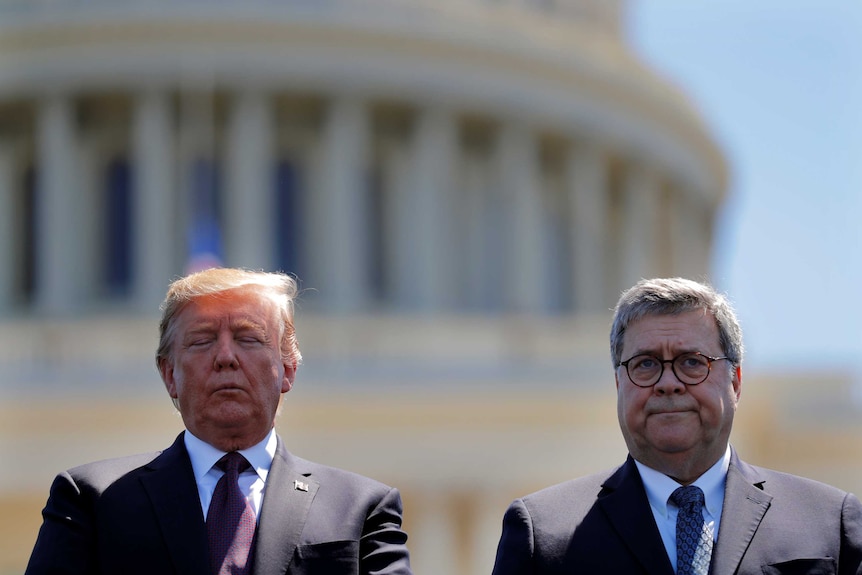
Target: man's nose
668,383
225,357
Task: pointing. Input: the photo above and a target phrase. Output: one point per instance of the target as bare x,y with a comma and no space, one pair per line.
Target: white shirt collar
659,486
203,455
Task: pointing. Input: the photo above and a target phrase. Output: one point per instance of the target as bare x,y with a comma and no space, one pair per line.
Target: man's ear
166,370
737,382
289,375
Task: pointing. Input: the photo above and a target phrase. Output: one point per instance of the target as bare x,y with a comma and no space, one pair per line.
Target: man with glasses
683,502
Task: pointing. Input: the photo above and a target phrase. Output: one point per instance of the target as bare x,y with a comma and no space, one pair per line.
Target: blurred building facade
462,187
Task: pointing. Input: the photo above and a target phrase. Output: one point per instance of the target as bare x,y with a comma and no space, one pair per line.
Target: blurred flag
204,233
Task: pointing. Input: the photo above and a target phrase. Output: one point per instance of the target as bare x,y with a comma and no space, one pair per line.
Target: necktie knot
687,496
233,463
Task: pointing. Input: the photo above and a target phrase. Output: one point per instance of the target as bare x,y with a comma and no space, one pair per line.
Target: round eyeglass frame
672,363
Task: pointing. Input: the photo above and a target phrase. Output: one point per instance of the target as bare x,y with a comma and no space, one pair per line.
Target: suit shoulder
802,487
574,494
554,513
335,475
100,474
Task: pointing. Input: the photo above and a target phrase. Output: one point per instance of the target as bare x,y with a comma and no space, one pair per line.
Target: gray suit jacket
142,514
771,523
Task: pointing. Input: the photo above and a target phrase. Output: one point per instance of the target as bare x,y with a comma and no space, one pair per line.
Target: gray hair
281,288
672,296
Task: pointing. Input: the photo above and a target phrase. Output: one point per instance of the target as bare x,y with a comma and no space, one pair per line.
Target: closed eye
250,338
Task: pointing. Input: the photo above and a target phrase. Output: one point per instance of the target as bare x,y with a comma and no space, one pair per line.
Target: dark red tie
230,521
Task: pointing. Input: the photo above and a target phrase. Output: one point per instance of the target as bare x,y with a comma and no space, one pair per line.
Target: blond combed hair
279,287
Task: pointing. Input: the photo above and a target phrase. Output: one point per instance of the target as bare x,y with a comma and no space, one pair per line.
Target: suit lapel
173,492
745,504
288,497
627,508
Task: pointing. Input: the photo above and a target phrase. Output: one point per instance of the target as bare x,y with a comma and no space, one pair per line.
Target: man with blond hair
227,497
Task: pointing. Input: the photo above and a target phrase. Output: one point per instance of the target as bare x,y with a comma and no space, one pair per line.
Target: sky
779,84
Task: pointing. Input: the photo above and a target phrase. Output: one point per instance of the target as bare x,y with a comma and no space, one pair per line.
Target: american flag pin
299,485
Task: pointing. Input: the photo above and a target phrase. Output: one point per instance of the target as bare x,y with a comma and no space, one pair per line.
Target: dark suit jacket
142,514
771,523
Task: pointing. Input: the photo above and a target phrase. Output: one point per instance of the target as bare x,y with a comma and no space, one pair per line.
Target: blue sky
780,85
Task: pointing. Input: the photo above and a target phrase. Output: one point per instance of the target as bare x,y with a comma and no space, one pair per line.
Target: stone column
520,190
249,198
90,174
157,251
337,233
699,223
586,183
682,253
639,229
10,215
57,205
423,222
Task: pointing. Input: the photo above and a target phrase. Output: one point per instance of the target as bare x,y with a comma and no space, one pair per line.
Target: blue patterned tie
693,539
230,521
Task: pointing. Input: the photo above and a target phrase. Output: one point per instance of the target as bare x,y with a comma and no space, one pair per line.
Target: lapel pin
299,485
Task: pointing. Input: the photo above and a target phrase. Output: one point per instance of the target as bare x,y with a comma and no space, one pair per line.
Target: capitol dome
499,156
463,188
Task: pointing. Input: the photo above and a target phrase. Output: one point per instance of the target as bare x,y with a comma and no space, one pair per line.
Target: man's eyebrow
655,352
643,351
247,323
201,325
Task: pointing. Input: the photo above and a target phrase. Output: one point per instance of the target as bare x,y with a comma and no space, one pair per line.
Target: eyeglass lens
689,368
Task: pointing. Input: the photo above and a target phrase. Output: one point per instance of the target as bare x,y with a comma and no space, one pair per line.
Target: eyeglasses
690,368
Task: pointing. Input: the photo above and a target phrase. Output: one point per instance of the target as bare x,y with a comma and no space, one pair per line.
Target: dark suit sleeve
383,545
515,551
65,541
851,537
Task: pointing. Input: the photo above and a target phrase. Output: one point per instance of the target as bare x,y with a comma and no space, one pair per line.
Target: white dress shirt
659,488
252,482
